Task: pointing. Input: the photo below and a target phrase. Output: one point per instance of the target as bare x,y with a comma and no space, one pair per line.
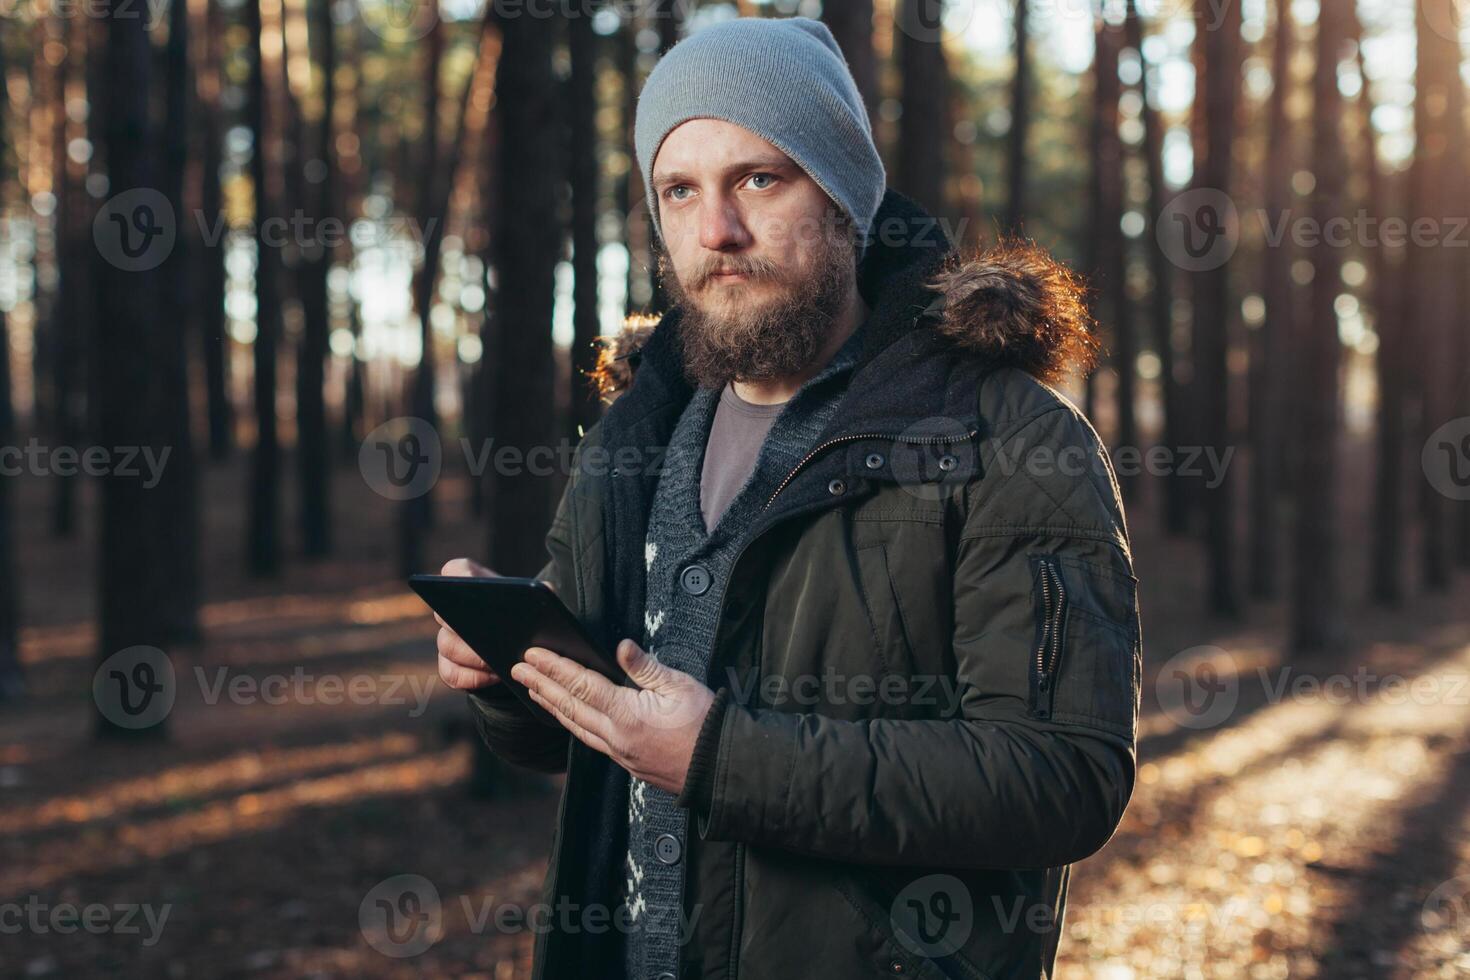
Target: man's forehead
713,143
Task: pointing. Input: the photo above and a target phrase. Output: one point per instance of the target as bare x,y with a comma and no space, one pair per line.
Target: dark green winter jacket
928,654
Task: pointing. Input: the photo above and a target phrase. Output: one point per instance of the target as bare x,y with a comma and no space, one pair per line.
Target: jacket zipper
739,916
915,441
1049,646
739,899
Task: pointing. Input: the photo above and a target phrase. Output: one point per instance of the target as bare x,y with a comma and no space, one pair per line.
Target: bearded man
867,571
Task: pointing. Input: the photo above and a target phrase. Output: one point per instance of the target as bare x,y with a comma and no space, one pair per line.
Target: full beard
747,340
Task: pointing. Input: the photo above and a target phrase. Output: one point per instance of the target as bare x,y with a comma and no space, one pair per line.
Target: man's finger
465,568
642,667
590,739
464,678
572,711
587,686
451,647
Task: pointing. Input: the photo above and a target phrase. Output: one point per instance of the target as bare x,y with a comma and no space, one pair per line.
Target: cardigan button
667,849
695,579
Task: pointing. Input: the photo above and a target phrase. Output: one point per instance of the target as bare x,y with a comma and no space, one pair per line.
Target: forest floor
1291,819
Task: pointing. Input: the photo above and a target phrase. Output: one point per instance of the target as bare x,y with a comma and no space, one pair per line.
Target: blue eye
672,190
766,177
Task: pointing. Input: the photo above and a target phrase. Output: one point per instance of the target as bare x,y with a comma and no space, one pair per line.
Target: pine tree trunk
480,424
1386,555
1271,344
263,545
1175,508
416,515
67,309
212,275
582,102
11,679
636,225
1433,263
1457,324
1213,305
351,183
528,246
313,460
851,24
177,484
1108,247
668,14
135,591
924,129
1020,122
1314,607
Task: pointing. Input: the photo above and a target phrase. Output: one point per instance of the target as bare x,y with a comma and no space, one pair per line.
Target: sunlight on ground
180,785
1257,840
129,843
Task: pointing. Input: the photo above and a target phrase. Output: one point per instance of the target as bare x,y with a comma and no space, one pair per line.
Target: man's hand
649,730
459,666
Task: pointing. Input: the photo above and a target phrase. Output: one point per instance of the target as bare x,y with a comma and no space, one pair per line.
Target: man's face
758,256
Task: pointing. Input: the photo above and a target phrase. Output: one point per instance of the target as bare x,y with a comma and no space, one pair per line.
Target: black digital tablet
501,617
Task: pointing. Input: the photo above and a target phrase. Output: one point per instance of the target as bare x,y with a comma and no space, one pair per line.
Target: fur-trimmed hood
1011,303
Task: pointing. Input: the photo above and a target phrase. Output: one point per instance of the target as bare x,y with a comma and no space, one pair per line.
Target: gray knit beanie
783,79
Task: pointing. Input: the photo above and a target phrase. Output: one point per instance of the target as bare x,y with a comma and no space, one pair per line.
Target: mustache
749,266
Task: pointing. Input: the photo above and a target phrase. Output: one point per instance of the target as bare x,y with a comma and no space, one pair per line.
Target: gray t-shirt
735,438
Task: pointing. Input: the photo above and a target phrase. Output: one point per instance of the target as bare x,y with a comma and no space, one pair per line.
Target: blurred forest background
270,237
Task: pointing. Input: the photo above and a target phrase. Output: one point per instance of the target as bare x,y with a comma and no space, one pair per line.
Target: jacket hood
1010,302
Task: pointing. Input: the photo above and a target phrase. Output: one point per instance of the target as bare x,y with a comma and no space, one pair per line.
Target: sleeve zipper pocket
1051,618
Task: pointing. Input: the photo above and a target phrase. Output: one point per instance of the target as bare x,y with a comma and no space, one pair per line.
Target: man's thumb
644,668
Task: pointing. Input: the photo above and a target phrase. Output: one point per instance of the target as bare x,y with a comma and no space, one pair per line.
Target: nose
720,226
